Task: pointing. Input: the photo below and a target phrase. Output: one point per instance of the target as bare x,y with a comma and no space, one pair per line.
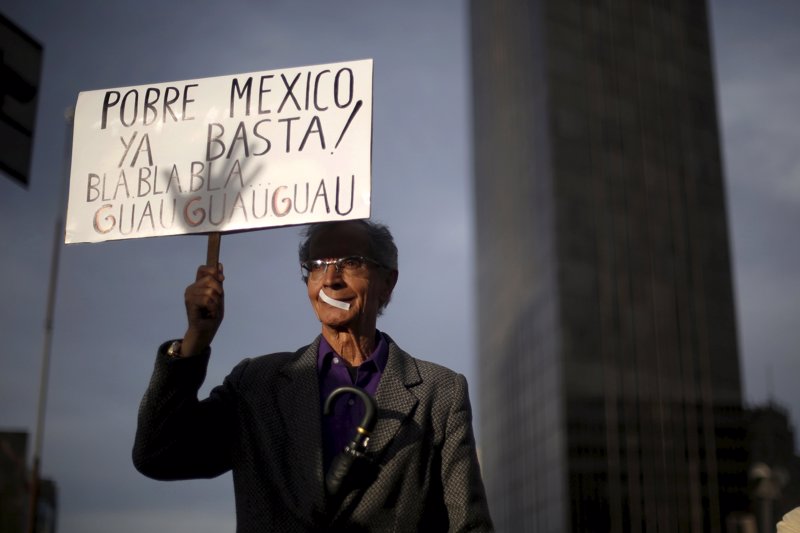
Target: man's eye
351,263
316,266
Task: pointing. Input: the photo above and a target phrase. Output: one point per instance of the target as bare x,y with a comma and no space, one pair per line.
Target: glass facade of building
610,387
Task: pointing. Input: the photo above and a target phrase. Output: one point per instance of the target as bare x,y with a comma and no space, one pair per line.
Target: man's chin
334,318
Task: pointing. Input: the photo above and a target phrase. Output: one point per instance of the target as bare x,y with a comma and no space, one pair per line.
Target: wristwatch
174,350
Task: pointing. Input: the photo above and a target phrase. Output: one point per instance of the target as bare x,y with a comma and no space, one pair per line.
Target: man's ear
391,281
393,275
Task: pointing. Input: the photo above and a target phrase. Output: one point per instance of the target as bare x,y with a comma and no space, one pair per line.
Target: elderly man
265,422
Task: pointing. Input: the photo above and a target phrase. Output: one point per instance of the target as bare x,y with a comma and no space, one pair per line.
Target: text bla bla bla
222,209
147,181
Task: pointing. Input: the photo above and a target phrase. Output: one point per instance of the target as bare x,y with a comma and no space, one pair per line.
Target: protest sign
230,153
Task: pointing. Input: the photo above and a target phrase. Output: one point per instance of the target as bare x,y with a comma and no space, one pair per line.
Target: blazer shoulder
431,370
421,371
268,366
270,360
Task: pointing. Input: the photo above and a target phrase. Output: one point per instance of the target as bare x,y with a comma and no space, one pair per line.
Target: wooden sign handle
212,255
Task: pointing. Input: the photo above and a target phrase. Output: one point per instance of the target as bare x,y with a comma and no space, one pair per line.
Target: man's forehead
339,240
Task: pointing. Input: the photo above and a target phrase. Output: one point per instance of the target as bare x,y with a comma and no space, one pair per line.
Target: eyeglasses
350,265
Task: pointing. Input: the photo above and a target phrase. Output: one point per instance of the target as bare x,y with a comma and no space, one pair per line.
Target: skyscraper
608,358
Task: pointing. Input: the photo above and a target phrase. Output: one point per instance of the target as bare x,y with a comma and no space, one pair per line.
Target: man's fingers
208,297
199,294
205,298
216,273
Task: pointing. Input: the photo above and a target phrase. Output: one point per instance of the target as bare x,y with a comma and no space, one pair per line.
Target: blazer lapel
298,400
396,401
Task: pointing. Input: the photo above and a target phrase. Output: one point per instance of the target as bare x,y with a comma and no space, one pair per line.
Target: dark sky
117,301
758,82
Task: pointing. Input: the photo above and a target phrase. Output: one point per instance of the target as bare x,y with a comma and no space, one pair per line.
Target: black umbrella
343,463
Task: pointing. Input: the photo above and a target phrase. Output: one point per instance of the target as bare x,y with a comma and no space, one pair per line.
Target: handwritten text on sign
229,153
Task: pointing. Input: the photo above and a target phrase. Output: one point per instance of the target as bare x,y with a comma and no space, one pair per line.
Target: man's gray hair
381,243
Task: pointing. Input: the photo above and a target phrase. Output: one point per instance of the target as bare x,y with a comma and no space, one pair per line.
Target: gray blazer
263,422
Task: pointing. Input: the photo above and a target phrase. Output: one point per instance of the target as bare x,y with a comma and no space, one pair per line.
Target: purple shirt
339,427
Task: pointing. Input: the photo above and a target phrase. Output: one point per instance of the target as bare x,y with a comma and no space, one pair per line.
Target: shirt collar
378,357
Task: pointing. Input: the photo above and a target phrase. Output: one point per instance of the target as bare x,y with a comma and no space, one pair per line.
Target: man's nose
332,275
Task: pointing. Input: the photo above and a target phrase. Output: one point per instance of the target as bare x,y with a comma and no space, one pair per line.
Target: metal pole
48,329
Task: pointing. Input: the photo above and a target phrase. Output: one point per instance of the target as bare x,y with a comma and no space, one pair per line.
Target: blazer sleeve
464,494
178,436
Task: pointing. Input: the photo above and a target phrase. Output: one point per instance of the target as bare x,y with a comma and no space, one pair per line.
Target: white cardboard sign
230,153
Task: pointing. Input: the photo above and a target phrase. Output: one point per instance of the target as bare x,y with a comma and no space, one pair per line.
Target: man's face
364,291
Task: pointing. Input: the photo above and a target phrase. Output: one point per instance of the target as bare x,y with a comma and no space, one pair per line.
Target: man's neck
354,348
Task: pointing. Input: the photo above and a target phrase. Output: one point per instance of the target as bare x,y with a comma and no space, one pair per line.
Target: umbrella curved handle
367,423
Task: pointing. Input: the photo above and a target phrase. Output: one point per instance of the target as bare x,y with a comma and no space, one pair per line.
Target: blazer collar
396,398
299,405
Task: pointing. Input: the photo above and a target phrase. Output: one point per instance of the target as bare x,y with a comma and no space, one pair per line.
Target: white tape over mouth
330,301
